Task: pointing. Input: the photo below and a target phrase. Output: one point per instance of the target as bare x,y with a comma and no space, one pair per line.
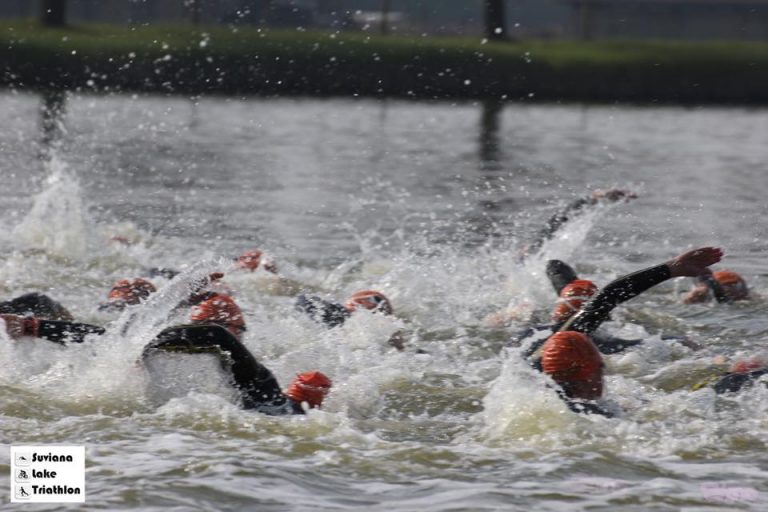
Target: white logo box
47,474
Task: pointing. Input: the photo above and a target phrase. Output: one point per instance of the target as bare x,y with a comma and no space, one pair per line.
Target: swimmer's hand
19,326
694,262
613,194
699,293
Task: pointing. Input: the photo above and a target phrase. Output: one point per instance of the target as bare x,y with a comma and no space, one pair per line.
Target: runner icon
21,492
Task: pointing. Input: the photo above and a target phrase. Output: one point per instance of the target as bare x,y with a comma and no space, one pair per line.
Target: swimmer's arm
557,221
66,332
254,380
563,216
612,345
596,311
690,263
320,310
733,382
560,274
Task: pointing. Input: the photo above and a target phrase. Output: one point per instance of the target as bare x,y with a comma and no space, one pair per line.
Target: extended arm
52,330
257,384
596,311
559,219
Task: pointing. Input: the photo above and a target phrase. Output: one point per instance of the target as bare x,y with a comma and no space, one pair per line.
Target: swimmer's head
572,297
733,284
222,310
371,300
250,260
309,387
128,292
748,365
574,362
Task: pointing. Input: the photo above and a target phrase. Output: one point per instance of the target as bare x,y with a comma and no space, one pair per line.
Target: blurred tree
385,6
53,13
194,8
495,22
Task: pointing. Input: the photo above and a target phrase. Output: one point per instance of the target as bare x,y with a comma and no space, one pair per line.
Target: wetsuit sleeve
557,221
713,285
258,386
611,345
560,274
596,311
736,381
36,304
167,273
66,332
588,408
323,311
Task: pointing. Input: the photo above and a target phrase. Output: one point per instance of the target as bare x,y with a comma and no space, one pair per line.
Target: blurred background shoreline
588,51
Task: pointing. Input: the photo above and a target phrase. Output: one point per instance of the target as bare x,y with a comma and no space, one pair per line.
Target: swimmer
127,292
572,296
217,327
742,374
571,358
250,261
334,314
253,259
739,375
724,286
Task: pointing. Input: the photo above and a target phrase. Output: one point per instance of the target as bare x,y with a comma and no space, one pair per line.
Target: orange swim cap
369,299
732,283
570,357
250,260
572,297
748,365
131,291
310,387
220,309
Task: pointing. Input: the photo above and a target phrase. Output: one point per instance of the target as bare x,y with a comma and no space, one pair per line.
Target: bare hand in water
14,325
613,194
694,262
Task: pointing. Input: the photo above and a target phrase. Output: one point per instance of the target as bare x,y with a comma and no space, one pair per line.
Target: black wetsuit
731,382
329,313
557,221
64,332
35,304
560,274
259,390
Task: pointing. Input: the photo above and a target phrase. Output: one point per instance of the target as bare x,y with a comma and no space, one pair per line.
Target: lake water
429,203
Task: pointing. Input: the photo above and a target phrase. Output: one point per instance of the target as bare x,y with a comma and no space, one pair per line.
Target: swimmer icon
23,459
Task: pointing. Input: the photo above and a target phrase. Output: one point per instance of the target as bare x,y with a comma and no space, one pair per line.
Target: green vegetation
178,59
